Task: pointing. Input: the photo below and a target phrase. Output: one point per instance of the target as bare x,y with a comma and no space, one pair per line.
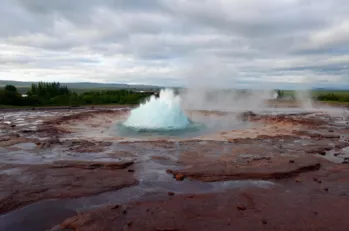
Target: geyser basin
163,113
164,117
192,130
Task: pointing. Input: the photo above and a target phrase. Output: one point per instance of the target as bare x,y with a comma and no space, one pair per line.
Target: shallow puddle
154,184
25,146
45,214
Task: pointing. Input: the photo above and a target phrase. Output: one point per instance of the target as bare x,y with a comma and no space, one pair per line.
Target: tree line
55,94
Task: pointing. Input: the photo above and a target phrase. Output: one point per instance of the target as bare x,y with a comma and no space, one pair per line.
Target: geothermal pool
158,118
163,116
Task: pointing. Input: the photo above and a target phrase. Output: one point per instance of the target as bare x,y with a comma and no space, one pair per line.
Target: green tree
280,94
10,88
10,96
56,94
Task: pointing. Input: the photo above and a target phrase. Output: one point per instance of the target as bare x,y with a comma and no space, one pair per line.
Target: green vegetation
320,95
112,97
10,96
338,96
55,94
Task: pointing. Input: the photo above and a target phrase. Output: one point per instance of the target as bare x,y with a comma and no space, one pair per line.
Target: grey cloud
159,41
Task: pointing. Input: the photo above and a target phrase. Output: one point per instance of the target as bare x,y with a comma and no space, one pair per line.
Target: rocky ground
66,170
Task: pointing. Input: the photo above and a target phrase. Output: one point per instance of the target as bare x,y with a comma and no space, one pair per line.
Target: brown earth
309,192
24,184
82,116
312,201
51,127
12,139
261,168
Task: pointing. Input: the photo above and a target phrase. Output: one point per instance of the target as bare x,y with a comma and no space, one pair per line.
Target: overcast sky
176,42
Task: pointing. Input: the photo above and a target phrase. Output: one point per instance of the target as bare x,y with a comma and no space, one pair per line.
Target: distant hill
23,86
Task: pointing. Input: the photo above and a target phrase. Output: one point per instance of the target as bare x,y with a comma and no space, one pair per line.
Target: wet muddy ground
268,170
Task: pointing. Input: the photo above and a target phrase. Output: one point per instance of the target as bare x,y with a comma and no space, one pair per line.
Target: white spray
163,113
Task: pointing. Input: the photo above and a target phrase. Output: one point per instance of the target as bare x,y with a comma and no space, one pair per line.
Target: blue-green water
192,129
159,114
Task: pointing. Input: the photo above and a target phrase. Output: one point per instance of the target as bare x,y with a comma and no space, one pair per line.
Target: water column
162,113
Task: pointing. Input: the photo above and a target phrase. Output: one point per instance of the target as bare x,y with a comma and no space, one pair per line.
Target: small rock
315,213
326,189
115,207
336,154
241,207
298,181
129,223
323,153
124,209
53,141
171,193
131,170
27,131
262,158
180,177
291,161
330,130
13,125
264,222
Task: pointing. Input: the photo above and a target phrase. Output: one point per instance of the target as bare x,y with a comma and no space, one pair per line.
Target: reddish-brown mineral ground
73,170
63,179
314,201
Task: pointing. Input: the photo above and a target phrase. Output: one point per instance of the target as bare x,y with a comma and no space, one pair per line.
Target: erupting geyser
163,113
